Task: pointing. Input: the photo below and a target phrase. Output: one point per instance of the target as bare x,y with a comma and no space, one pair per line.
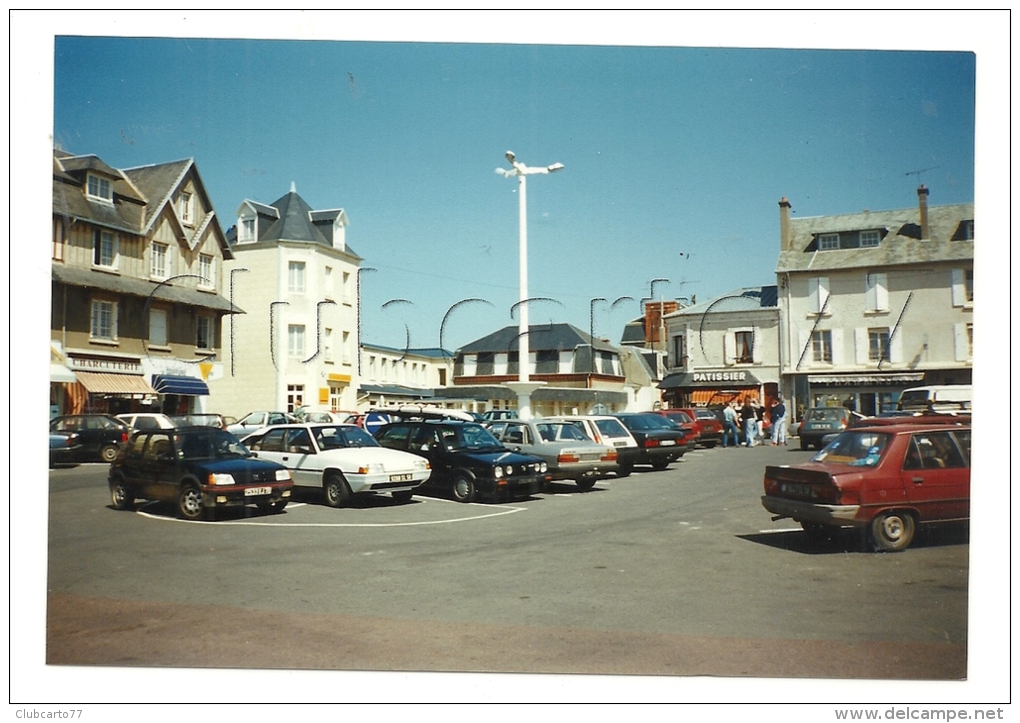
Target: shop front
867,393
715,388
104,384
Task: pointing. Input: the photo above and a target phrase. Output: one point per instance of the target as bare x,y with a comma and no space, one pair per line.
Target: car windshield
213,444
468,436
856,449
611,428
559,432
679,417
825,414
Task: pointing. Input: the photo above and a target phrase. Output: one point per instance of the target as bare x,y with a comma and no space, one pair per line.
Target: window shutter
959,290
861,345
729,347
876,292
113,320
837,346
960,341
803,343
756,345
813,294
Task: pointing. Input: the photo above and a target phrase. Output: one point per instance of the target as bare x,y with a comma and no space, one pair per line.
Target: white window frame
828,241
347,287
327,345
247,229
100,237
99,329
345,349
821,340
157,250
873,237
296,277
876,292
296,340
207,270
157,336
327,285
99,188
187,208
295,396
876,331
960,290
206,321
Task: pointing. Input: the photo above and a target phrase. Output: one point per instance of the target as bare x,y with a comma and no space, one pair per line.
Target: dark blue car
198,470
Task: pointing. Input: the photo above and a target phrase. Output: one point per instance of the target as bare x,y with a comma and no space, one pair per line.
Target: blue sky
675,157
678,141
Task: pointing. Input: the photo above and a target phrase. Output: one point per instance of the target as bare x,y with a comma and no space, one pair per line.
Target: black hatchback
197,469
659,441
466,460
100,436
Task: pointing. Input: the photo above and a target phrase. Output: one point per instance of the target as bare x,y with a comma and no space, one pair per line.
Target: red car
685,421
884,479
707,424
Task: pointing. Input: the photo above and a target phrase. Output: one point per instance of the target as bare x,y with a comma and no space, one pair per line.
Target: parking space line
504,510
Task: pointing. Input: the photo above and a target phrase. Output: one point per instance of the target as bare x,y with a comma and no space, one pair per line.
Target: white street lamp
524,386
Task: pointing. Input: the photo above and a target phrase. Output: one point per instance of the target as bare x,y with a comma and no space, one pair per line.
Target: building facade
296,279
872,303
578,373
724,350
138,261
401,376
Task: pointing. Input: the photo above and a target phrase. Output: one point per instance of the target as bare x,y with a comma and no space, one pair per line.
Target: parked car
884,479
901,418
820,421
944,398
64,448
567,451
99,435
255,421
708,425
604,429
466,460
197,469
659,440
340,459
147,420
685,421
494,414
217,421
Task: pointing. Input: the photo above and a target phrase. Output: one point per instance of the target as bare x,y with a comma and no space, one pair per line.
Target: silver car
569,454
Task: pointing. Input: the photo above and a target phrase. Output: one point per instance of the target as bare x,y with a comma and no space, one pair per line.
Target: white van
945,398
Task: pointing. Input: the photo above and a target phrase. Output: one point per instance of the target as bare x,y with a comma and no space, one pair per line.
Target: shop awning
728,379
103,383
60,373
186,386
866,379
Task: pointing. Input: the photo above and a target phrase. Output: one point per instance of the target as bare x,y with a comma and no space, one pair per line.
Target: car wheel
660,465
892,531
272,508
119,495
586,484
463,488
403,496
625,470
338,494
189,503
108,453
803,443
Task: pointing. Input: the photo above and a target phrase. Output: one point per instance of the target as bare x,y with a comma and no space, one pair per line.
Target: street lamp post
524,386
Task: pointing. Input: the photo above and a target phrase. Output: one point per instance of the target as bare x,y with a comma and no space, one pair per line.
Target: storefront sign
723,377
105,364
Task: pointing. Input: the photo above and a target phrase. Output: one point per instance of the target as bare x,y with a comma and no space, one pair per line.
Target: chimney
922,202
784,226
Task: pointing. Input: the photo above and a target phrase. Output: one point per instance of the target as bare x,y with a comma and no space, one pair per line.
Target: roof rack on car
422,412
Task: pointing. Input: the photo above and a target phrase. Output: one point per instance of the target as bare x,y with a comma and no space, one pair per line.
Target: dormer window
870,238
187,207
247,230
828,241
98,187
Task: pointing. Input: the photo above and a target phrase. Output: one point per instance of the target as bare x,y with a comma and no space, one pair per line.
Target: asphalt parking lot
679,572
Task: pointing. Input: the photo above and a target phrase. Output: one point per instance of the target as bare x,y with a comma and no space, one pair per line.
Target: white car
340,459
609,431
147,420
256,421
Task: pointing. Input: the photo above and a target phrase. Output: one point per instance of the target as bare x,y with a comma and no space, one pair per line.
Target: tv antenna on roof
918,173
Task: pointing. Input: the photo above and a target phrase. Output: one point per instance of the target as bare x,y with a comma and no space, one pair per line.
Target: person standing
730,425
779,423
749,421
759,421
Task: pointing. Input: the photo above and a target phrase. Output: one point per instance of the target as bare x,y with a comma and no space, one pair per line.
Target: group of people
751,418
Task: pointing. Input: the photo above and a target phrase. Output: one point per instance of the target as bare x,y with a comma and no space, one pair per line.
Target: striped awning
103,383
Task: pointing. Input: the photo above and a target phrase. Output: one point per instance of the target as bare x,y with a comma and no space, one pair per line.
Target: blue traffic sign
374,420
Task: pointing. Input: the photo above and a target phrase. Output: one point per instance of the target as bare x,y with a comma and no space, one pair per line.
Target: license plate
667,443
254,491
400,477
795,489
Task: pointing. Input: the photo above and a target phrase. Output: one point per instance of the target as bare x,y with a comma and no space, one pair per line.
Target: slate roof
430,352
541,337
901,244
87,278
290,218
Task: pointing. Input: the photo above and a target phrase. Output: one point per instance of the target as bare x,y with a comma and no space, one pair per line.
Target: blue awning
188,386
